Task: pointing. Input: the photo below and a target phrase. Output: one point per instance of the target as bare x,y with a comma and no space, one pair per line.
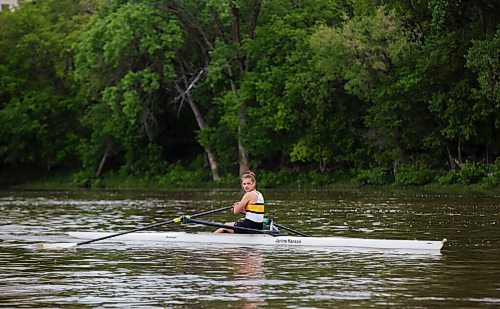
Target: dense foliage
174,90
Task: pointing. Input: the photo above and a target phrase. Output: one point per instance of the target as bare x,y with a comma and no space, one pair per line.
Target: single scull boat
266,240
271,237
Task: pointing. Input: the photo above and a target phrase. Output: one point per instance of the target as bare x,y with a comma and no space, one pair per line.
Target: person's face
247,184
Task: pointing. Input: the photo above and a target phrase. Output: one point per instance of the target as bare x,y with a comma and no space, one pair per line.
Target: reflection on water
164,275
247,277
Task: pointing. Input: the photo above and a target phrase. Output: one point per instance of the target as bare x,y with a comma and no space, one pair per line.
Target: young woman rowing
251,204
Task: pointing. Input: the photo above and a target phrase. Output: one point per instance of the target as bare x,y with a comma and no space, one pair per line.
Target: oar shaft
126,232
211,212
153,225
290,230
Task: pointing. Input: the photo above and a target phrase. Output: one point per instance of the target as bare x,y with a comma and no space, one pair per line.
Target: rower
251,204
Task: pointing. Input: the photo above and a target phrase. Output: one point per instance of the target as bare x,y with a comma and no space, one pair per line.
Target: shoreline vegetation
455,183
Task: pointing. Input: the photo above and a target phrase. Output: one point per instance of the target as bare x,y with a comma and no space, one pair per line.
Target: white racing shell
267,240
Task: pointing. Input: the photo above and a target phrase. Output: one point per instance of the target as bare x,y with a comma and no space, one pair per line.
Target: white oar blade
54,246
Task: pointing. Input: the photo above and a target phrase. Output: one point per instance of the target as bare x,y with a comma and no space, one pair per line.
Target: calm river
114,274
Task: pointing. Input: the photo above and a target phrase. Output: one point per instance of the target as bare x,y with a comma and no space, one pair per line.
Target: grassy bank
182,179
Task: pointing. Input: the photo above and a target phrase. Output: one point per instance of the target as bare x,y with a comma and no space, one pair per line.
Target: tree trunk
244,161
482,25
242,65
322,165
243,156
459,152
103,160
214,166
233,71
451,160
235,30
487,152
395,166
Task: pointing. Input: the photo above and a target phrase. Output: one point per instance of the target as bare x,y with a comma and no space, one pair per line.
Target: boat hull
267,240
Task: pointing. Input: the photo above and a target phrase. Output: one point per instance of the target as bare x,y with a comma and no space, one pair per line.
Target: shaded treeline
223,86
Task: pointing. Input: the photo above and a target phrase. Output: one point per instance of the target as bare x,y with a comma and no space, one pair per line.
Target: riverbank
31,180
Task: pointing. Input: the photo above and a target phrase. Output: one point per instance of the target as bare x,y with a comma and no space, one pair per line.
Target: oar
238,228
176,220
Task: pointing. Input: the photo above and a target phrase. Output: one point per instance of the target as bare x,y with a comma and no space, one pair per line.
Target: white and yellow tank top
255,211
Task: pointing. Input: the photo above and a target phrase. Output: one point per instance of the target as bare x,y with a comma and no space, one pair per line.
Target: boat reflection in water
248,277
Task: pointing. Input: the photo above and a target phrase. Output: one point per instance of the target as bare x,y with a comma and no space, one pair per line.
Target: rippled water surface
115,274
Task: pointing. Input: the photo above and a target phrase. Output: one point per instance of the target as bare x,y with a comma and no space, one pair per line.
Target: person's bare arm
240,206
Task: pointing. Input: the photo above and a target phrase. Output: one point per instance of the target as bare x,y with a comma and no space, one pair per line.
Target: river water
466,274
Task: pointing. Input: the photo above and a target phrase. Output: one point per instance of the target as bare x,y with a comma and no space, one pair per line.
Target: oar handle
154,225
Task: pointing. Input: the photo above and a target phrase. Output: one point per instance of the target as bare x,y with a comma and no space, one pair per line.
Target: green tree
408,65
38,113
124,64
299,114
484,60
368,53
463,119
